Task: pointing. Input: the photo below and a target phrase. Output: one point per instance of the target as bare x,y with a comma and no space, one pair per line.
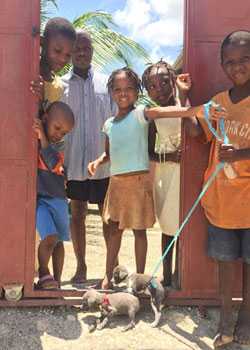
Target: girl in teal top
129,199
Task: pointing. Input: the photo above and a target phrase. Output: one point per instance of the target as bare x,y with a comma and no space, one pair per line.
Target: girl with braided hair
129,199
167,89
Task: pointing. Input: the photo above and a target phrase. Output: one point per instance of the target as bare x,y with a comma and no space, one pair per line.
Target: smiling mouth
81,59
58,66
239,77
163,98
54,140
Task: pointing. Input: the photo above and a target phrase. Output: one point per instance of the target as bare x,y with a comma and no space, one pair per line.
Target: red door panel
214,18
207,23
13,215
205,54
15,15
19,61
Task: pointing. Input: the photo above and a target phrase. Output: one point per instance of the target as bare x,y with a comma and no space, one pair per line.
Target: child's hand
38,128
37,88
216,112
184,82
175,156
92,166
228,153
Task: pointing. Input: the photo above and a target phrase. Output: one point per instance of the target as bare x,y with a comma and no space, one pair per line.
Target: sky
155,24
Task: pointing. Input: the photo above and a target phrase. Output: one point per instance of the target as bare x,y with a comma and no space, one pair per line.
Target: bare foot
79,277
101,284
242,331
106,284
225,333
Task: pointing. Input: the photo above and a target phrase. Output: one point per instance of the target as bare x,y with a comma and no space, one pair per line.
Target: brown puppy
138,283
110,305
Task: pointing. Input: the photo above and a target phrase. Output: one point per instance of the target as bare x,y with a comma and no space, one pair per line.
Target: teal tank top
128,142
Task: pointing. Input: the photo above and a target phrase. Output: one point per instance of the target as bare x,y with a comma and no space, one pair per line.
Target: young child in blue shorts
52,221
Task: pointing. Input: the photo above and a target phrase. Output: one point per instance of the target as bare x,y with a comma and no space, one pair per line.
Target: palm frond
99,19
111,47
46,7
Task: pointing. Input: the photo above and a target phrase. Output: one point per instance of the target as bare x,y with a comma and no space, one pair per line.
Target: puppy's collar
152,282
127,277
106,301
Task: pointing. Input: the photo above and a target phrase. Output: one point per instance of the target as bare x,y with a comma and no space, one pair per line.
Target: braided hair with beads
130,74
171,73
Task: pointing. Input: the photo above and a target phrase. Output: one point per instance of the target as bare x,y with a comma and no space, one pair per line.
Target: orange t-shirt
227,201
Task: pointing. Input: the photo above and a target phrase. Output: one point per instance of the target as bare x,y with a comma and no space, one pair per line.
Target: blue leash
218,168
223,138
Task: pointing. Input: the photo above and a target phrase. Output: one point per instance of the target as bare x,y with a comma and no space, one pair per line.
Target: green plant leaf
46,7
111,48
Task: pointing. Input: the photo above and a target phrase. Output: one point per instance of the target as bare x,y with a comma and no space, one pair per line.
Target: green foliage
110,46
46,7
112,49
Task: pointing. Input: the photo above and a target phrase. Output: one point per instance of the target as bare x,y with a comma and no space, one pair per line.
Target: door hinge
35,31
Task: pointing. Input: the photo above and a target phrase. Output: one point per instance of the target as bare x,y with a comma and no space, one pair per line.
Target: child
226,203
129,199
165,89
57,45
52,220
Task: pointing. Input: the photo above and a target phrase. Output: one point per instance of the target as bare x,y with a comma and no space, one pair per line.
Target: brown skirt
129,201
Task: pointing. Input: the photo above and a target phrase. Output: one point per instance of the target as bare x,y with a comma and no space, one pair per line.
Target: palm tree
46,7
111,47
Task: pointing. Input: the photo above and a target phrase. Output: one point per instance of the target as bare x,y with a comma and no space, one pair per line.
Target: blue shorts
52,218
228,244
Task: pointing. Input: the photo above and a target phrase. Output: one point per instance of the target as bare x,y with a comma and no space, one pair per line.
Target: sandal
47,282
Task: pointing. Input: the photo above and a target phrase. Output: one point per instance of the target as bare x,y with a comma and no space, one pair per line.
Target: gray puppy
111,304
138,283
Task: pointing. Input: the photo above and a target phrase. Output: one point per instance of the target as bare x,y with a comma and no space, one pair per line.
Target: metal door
206,24
19,64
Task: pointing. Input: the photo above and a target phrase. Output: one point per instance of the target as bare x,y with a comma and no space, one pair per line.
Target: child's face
159,86
59,52
236,63
57,126
124,92
83,52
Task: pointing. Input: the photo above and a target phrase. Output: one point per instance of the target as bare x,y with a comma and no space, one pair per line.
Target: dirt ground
66,328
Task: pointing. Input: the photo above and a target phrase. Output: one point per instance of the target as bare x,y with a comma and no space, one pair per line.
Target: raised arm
171,112
183,112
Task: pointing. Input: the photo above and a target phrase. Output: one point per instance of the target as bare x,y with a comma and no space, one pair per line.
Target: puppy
138,283
110,305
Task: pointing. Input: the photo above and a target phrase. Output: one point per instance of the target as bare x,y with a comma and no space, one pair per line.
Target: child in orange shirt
226,203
